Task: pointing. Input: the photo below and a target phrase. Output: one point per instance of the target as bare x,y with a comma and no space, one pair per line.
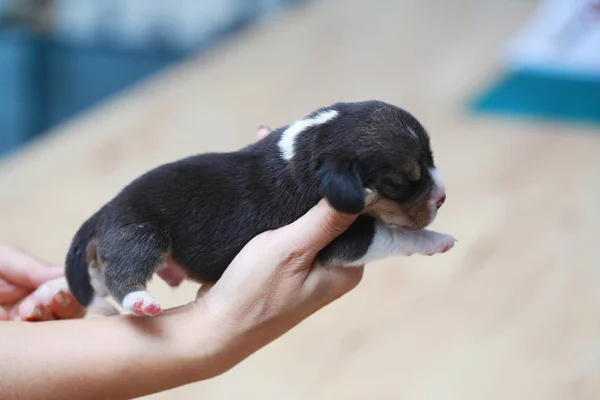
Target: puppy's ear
340,183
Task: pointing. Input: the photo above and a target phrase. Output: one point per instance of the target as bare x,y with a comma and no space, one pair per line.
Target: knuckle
331,226
292,256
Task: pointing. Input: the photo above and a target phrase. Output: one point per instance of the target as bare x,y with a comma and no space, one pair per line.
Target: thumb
317,228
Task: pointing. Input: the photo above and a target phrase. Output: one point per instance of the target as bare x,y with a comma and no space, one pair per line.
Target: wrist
217,340
203,341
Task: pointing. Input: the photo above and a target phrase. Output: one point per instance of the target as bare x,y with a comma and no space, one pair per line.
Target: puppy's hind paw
141,303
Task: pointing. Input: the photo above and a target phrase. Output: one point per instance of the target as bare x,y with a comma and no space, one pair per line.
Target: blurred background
95,92
60,57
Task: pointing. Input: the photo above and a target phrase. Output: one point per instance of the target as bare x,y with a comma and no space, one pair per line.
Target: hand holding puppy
274,283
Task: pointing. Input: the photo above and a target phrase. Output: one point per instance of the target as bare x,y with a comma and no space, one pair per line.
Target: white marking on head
288,137
412,133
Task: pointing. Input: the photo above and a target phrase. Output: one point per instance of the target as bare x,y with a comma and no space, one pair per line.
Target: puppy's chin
412,217
411,225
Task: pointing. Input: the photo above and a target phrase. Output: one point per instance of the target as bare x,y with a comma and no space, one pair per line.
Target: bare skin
271,286
20,275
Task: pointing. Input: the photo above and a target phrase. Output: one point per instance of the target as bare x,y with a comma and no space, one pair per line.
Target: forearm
118,357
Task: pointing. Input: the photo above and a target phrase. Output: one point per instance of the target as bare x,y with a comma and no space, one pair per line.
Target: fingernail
35,314
62,299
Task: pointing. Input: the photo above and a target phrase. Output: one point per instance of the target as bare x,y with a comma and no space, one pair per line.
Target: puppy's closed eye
398,191
341,185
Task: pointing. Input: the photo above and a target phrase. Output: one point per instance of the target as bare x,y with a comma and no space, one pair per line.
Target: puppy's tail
77,269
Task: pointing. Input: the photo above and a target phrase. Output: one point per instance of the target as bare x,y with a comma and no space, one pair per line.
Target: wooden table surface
511,313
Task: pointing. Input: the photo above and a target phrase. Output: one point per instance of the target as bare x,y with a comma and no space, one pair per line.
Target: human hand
22,296
274,283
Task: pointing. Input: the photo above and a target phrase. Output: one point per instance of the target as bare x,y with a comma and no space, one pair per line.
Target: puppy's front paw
141,303
439,243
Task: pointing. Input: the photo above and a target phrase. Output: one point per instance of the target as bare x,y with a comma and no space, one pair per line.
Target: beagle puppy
188,219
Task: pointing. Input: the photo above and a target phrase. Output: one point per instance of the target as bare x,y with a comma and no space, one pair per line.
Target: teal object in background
46,82
79,77
18,100
551,68
542,95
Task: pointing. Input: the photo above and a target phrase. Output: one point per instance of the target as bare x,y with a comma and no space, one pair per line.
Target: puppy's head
375,158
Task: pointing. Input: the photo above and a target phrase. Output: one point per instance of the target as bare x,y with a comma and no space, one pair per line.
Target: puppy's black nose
440,202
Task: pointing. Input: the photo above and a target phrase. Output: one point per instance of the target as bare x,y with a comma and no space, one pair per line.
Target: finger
46,314
317,228
43,297
64,306
10,293
25,270
263,131
31,312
